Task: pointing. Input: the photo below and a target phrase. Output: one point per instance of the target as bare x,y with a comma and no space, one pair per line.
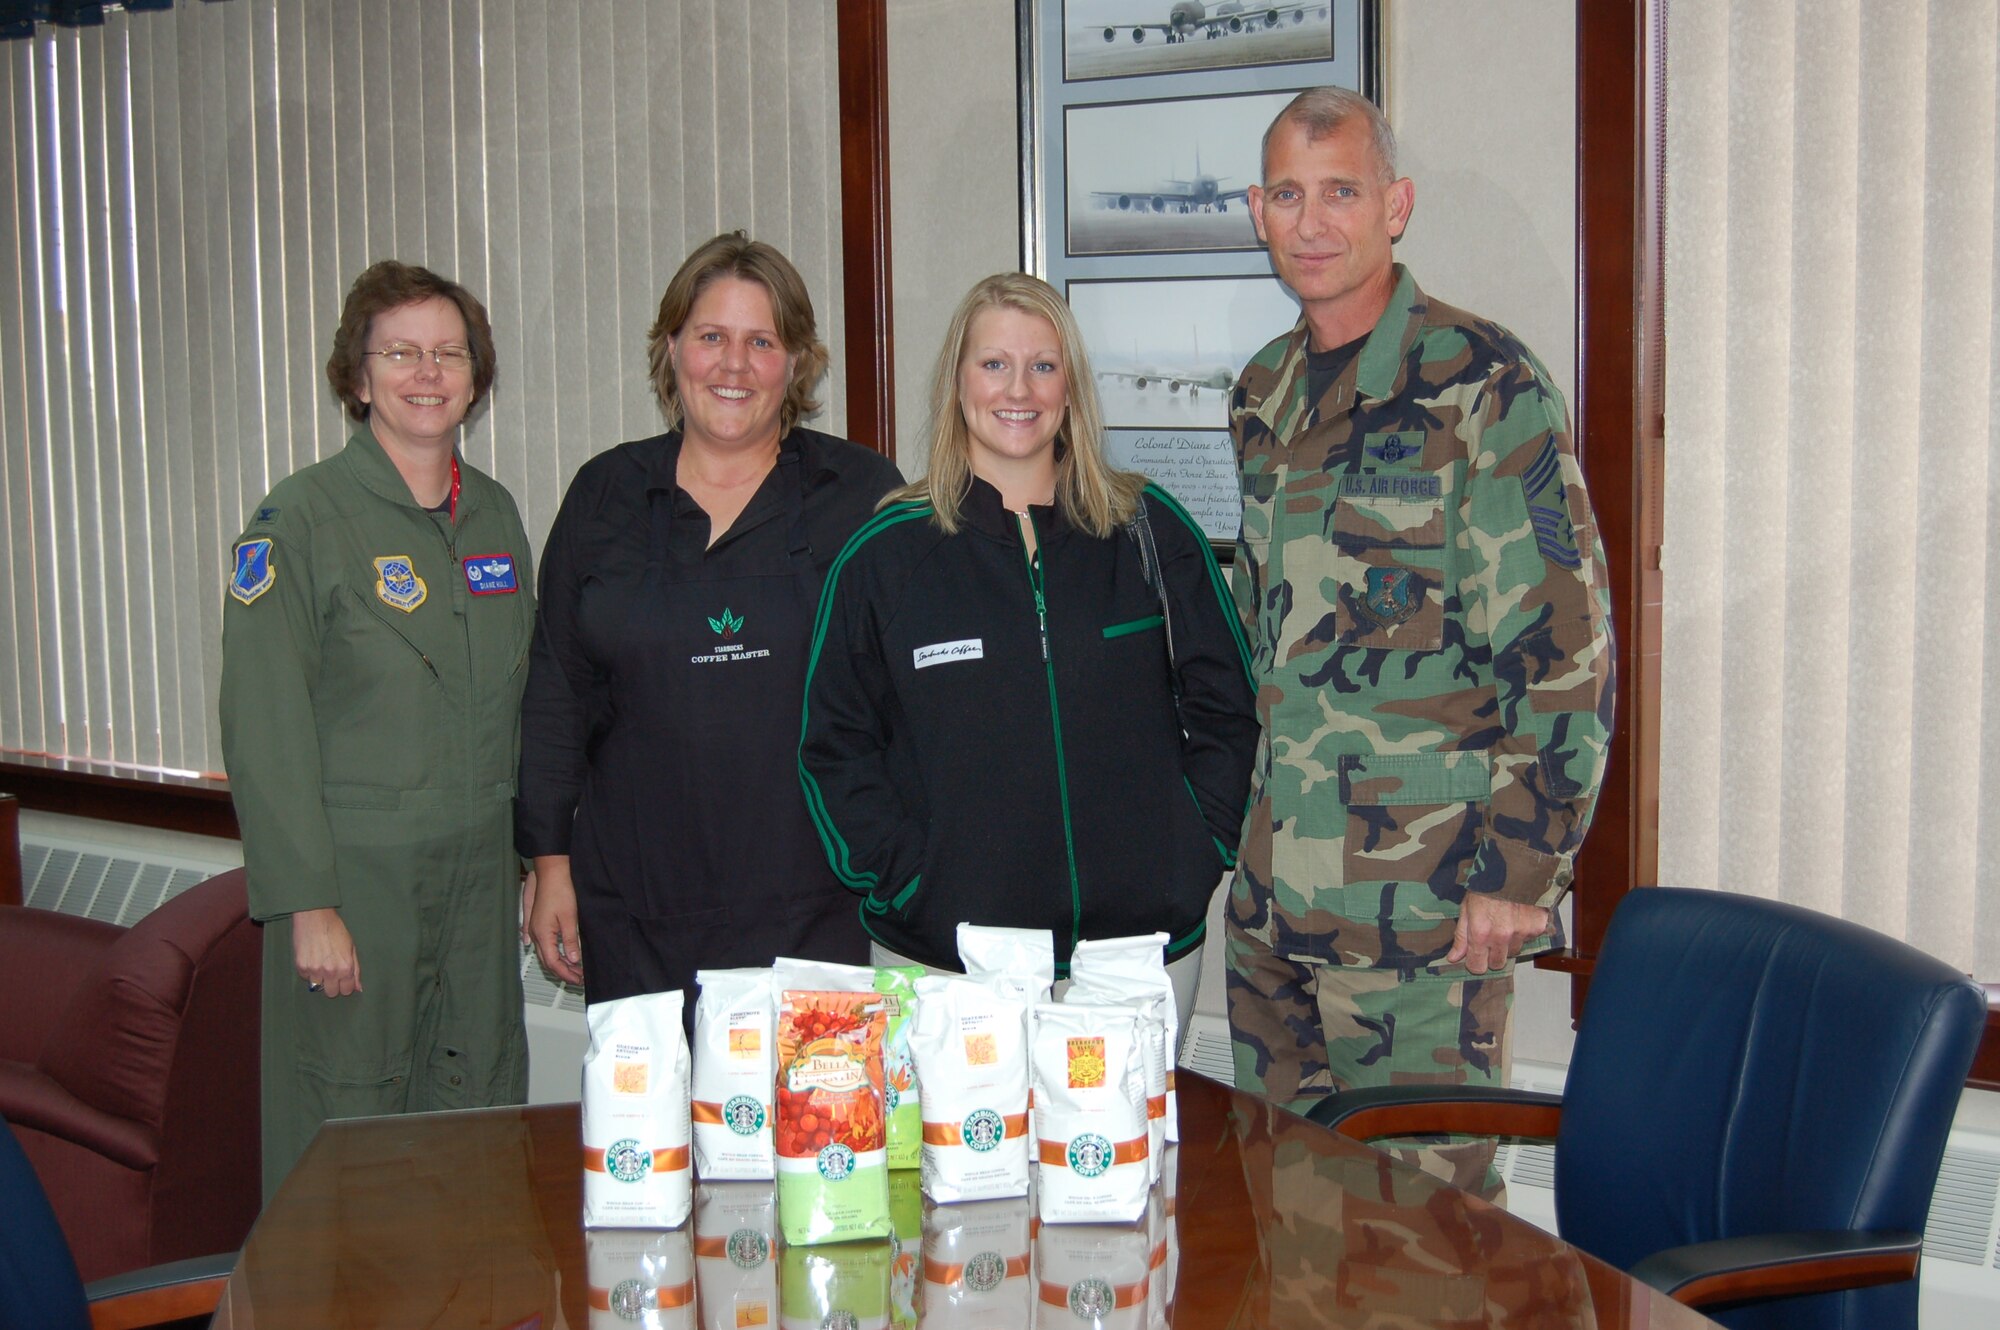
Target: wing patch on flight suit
397,583
491,575
254,574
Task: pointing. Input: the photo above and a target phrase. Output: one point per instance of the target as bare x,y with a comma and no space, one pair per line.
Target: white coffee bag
1122,969
1090,1112
1021,960
635,1114
1153,1045
735,1069
970,1042
638,1277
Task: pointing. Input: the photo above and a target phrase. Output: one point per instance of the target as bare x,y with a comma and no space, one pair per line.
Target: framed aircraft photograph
1136,172
1165,176
1165,352
1121,38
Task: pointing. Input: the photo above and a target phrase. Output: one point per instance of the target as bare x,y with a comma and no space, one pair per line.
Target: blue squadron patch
1392,595
397,583
254,574
491,575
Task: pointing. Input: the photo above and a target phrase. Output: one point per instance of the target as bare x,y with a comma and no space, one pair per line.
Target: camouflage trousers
1299,1032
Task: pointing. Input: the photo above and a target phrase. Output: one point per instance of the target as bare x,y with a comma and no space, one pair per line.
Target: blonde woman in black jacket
1028,701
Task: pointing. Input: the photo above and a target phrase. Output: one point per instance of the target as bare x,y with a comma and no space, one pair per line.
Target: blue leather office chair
1756,1109
39,1285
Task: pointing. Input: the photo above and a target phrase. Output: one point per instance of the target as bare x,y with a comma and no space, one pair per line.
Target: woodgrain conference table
474,1220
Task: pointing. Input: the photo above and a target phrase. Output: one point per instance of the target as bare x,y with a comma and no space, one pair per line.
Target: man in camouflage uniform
1428,617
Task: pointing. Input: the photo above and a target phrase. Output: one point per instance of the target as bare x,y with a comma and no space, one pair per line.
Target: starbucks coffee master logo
744,1115
983,1129
1089,1154
836,1161
626,1162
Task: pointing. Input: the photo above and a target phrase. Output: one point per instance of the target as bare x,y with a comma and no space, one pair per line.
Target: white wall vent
110,884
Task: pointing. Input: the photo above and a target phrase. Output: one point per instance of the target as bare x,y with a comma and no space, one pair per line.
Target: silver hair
1320,111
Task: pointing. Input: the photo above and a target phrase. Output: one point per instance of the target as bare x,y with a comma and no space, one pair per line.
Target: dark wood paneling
10,850
864,222
1986,1066
1618,437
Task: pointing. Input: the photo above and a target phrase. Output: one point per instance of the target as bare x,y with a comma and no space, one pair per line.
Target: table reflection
1261,1220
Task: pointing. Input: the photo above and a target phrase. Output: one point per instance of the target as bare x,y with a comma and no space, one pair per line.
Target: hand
527,906
1492,931
323,952
552,922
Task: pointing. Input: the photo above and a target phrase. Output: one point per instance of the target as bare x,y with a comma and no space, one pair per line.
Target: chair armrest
1418,1110
1775,1265
159,1294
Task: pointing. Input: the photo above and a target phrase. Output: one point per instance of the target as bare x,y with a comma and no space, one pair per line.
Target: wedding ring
312,988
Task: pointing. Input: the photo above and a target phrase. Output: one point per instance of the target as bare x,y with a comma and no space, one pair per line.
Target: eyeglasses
402,355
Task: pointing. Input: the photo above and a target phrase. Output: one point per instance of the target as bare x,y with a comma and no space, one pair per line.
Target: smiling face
1013,392
1329,219
730,370
420,408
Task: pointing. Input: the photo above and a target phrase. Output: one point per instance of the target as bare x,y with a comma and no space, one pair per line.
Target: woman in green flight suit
377,622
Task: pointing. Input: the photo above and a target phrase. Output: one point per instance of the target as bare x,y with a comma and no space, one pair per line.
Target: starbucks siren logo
984,1272
840,1319
1089,1154
626,1162
836,1162
748,1249
1091,1299
983,1130
628,1300
744,1115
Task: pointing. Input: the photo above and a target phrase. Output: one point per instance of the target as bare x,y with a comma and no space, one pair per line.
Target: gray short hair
1320,111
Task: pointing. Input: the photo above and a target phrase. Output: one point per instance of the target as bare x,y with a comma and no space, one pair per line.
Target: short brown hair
734,254
389,285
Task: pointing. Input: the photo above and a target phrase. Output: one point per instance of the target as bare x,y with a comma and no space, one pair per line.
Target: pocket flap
1416,778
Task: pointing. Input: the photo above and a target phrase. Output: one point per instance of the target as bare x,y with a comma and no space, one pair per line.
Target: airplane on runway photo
1189,17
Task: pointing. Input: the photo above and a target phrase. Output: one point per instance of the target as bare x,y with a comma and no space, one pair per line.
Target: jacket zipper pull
1042,619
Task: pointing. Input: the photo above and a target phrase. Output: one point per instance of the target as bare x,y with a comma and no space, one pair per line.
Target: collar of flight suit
1378,370
371,465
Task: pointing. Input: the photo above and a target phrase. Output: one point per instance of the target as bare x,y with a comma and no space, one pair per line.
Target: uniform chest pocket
1389,572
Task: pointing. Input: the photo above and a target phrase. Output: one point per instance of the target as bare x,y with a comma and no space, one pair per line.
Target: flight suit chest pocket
1389,571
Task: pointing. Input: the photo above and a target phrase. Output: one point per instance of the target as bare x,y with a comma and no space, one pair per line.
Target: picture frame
1141,130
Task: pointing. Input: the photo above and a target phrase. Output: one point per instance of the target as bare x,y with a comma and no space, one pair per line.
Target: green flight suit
373,656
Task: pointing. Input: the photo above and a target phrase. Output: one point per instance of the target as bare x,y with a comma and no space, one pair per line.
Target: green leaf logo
728,625
716,624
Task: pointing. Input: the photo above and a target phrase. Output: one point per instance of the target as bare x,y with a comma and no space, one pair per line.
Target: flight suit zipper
1036,584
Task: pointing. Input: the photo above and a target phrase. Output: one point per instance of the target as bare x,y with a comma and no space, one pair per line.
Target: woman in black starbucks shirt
659,795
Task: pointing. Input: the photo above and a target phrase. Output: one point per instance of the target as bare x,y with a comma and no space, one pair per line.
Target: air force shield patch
397,583
253,575
491,575
1392,595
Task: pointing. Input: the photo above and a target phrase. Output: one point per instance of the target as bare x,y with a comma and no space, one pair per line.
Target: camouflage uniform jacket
1428,615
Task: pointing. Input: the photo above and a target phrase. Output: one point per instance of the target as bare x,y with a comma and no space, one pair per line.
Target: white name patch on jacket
945,653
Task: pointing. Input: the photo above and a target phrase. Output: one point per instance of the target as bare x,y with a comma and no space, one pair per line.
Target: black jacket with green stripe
995,741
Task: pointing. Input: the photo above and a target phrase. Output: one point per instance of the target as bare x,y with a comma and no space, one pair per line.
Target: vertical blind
185,198
1830,686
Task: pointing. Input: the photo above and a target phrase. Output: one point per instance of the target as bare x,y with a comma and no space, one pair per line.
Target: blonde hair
734,254
1091,495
